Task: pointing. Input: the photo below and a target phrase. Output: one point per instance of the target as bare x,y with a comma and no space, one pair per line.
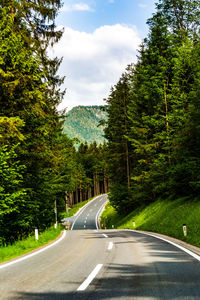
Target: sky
101,37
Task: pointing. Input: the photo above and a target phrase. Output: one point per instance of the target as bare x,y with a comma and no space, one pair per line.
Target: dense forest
153,127
38,162
82,122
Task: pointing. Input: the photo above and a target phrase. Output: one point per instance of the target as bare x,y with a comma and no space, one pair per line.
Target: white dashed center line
110,246
105,235
92,275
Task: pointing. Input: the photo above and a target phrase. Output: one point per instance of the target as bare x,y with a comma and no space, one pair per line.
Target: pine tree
116,131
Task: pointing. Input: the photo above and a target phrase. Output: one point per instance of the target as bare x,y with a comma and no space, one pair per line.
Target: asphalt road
124,264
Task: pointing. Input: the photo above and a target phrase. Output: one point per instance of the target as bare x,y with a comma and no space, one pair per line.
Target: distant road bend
89,263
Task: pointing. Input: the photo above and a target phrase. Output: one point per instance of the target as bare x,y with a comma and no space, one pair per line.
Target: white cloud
93,62
111,1
76,7
142,5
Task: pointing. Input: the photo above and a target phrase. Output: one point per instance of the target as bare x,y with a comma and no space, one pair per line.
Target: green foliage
35,156
14,205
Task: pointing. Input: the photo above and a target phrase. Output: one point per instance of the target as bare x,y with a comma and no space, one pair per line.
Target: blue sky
101,38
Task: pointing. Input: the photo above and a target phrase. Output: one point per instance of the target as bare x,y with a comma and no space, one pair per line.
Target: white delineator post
36,234
56,215
184,229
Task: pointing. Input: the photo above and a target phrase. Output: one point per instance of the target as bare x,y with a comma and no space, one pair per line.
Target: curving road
103,264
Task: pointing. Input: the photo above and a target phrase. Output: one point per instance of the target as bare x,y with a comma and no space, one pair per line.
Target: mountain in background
82,123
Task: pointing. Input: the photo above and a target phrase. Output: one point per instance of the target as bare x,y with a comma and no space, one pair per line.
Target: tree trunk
167,122
105,185
76,195
81,195
127,151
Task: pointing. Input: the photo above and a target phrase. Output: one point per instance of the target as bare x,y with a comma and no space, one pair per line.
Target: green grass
166,217
24,246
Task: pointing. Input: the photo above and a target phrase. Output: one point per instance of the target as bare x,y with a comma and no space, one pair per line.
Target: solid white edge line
110,246
35,253
89,279
99,213
196,256
105,235
84,207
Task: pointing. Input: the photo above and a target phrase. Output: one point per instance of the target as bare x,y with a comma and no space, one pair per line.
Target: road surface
103,264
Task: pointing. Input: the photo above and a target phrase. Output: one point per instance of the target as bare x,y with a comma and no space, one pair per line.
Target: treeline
153,127
90,173
38,162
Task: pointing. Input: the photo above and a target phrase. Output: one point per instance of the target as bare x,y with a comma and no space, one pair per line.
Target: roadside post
133,223
56,217
184,229
36,234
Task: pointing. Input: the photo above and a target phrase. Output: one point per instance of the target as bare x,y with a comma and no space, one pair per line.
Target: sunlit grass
166,217
26,245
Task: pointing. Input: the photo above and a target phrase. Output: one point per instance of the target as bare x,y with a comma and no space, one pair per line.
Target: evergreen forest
153,127
152,130
39,165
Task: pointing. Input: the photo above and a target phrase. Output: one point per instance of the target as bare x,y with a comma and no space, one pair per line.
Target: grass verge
22,247
29,244
166,217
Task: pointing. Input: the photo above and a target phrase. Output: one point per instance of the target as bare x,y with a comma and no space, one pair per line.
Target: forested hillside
153,127
82,122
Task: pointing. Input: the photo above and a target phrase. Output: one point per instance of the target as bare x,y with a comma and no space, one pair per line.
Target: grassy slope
164,217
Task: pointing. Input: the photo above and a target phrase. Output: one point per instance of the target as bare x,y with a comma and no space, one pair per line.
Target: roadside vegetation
153,128
165,217
29,244
40,167
26,245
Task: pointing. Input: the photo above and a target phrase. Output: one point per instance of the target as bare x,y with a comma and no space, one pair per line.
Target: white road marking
110,246
88,215
172,243
85,221
98,213
105,235
35,253
84,226
92,275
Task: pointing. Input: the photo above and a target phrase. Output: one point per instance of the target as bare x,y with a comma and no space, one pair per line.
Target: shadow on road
172,274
